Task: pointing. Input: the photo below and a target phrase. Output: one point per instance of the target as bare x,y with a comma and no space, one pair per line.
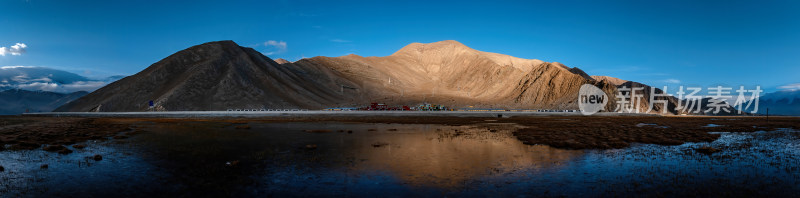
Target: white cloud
15,67
22,78
62,88
16,49
672,81
44,79
275,47
340,41
43,86
83,86
795,86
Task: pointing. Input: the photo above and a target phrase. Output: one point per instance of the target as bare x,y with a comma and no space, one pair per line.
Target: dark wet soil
596,132
27,133
620,132
571,132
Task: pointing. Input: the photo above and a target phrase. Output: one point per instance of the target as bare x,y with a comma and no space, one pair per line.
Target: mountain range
42,89
223,75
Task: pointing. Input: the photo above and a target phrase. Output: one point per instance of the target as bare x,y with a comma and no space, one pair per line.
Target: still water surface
364,159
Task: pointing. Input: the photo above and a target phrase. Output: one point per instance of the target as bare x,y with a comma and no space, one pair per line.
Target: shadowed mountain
659,101
215,76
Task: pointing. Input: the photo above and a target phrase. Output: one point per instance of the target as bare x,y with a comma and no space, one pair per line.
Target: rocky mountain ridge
223,75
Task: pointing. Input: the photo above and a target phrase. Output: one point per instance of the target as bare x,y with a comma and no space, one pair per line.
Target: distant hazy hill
17,101
48,79
785,102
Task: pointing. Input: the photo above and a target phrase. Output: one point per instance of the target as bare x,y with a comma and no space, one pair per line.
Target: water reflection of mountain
443,157
421,155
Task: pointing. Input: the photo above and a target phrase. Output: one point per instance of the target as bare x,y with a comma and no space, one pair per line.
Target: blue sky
690,43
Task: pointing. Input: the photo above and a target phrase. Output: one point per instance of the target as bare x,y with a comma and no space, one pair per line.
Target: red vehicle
378,107
383,107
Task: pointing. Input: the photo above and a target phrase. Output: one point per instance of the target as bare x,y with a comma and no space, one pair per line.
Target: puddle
645,124
78,173
650,125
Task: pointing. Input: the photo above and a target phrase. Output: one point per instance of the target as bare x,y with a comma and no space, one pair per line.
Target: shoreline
257,114
30,131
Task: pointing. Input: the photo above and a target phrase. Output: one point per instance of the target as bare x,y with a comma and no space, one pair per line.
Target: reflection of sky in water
750,164
403,160
76,174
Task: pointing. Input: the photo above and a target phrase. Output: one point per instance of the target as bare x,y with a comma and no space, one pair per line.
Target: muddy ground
576,132
26,133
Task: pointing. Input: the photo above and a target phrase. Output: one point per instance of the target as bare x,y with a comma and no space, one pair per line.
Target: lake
396,160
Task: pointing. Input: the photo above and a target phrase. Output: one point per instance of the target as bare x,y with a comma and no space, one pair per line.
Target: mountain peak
222,42
214,46
418,48
609,79
448,43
